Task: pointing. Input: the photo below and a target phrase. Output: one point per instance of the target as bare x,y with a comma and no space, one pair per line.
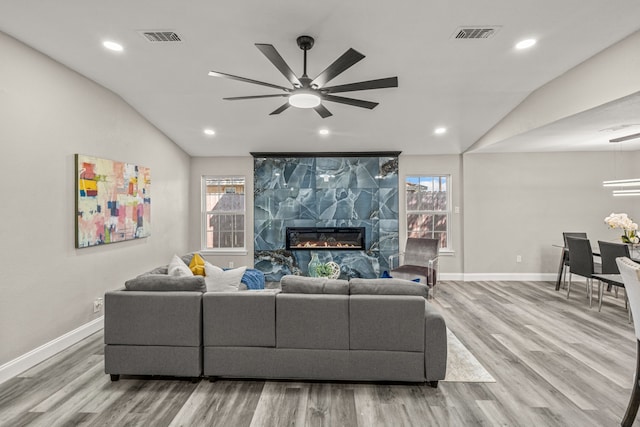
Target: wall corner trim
28,360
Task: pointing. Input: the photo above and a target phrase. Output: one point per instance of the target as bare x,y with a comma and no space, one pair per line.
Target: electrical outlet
518,258
98,303
231,264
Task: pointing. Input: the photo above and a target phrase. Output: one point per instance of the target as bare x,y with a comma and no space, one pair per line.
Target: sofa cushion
240,319
312,321
359,286
177,267
166,283
386,322
313,285
219,280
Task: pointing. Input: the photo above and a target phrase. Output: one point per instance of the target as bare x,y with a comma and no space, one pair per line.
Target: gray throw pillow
165,283
359,286
313,285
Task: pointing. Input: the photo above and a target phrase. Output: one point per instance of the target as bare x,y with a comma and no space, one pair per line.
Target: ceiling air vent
160,36
475,32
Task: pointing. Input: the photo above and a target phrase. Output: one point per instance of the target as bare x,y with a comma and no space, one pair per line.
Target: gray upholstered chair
565,253
419,260
608,253
581,263
630,272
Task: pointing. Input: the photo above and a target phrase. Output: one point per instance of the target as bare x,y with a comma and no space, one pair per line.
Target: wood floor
556,363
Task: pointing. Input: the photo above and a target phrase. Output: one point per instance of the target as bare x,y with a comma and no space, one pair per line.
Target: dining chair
581,263
565,253
418,261
630,272
608,253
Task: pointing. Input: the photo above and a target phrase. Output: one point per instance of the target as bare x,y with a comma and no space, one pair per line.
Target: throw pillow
219,280
197,265
178,268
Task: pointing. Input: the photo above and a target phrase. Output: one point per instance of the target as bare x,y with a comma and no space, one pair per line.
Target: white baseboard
35,356
522,277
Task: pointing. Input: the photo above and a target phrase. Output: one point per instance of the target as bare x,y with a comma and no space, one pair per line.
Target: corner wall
47,114
519,204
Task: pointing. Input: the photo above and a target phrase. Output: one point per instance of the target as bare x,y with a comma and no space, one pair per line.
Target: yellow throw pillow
197,265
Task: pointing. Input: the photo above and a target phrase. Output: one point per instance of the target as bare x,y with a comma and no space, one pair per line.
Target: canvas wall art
113,201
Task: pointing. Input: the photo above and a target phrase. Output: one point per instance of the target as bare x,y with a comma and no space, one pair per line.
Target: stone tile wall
325,192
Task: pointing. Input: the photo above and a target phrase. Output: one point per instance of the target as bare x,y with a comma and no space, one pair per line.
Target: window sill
446,252
235,252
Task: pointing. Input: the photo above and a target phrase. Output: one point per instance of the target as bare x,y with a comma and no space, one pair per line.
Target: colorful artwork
113,201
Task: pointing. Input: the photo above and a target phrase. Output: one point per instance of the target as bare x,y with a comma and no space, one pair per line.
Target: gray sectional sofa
313,328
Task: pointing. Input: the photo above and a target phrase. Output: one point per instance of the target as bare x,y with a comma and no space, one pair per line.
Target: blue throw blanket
254,279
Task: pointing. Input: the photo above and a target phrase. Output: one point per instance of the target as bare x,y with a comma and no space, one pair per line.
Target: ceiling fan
310,93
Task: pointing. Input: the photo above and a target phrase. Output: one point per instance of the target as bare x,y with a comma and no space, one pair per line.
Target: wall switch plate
518,258
230,264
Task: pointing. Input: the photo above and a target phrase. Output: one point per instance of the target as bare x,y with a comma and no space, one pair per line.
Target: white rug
462,366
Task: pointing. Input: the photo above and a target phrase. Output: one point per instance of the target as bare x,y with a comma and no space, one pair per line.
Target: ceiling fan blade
369,84
322,110
347,59
350,101
272,55
281,108
236,98
246,80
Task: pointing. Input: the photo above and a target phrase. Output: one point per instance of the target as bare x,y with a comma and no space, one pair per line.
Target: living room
511,203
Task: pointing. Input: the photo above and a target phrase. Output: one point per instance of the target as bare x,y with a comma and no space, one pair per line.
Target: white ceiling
466,85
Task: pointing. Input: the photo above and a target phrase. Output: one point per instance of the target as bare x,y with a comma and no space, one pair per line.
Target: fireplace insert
333,238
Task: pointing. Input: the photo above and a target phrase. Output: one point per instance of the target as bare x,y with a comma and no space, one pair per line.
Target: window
428,207
223,213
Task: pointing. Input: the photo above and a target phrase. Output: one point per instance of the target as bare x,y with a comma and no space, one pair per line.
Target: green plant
324,270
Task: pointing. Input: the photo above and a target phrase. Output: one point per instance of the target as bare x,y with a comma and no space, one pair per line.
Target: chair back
630,272
419,251
581,256
566,234
609,252
578,234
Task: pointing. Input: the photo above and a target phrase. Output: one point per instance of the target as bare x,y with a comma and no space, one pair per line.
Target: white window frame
448,212
204,226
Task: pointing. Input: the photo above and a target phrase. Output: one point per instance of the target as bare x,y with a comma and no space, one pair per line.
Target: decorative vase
313,265
630,237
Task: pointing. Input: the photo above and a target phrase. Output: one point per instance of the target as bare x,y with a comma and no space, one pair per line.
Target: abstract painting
113,201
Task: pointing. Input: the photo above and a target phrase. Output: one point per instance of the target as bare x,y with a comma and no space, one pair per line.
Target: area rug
462,366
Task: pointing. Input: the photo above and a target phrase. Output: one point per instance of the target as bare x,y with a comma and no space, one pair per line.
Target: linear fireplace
333,238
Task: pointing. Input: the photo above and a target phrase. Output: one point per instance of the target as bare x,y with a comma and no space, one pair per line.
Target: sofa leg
213,379
114,377
195,380
433,384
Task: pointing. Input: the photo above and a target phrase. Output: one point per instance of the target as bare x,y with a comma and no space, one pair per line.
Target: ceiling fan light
304,99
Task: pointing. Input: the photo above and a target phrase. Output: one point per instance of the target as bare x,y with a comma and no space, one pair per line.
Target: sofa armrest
153,318
435,351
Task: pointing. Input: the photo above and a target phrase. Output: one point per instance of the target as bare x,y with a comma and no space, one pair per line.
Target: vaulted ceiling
469,86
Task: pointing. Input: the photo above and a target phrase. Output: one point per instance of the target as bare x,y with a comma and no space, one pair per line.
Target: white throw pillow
219,280
178,268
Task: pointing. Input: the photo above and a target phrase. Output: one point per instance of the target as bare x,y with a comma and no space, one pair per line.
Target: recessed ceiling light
209,132
323,131
440,130
116,47
525,44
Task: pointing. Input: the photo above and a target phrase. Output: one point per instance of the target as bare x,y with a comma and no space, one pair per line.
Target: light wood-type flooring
556,363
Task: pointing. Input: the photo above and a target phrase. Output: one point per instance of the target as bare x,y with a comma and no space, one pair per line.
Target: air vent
475,32
160,36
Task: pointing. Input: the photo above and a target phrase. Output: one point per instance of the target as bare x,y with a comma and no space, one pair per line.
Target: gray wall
519,204
48,113
237,166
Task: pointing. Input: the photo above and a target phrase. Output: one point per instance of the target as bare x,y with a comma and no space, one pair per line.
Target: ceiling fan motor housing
305,42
